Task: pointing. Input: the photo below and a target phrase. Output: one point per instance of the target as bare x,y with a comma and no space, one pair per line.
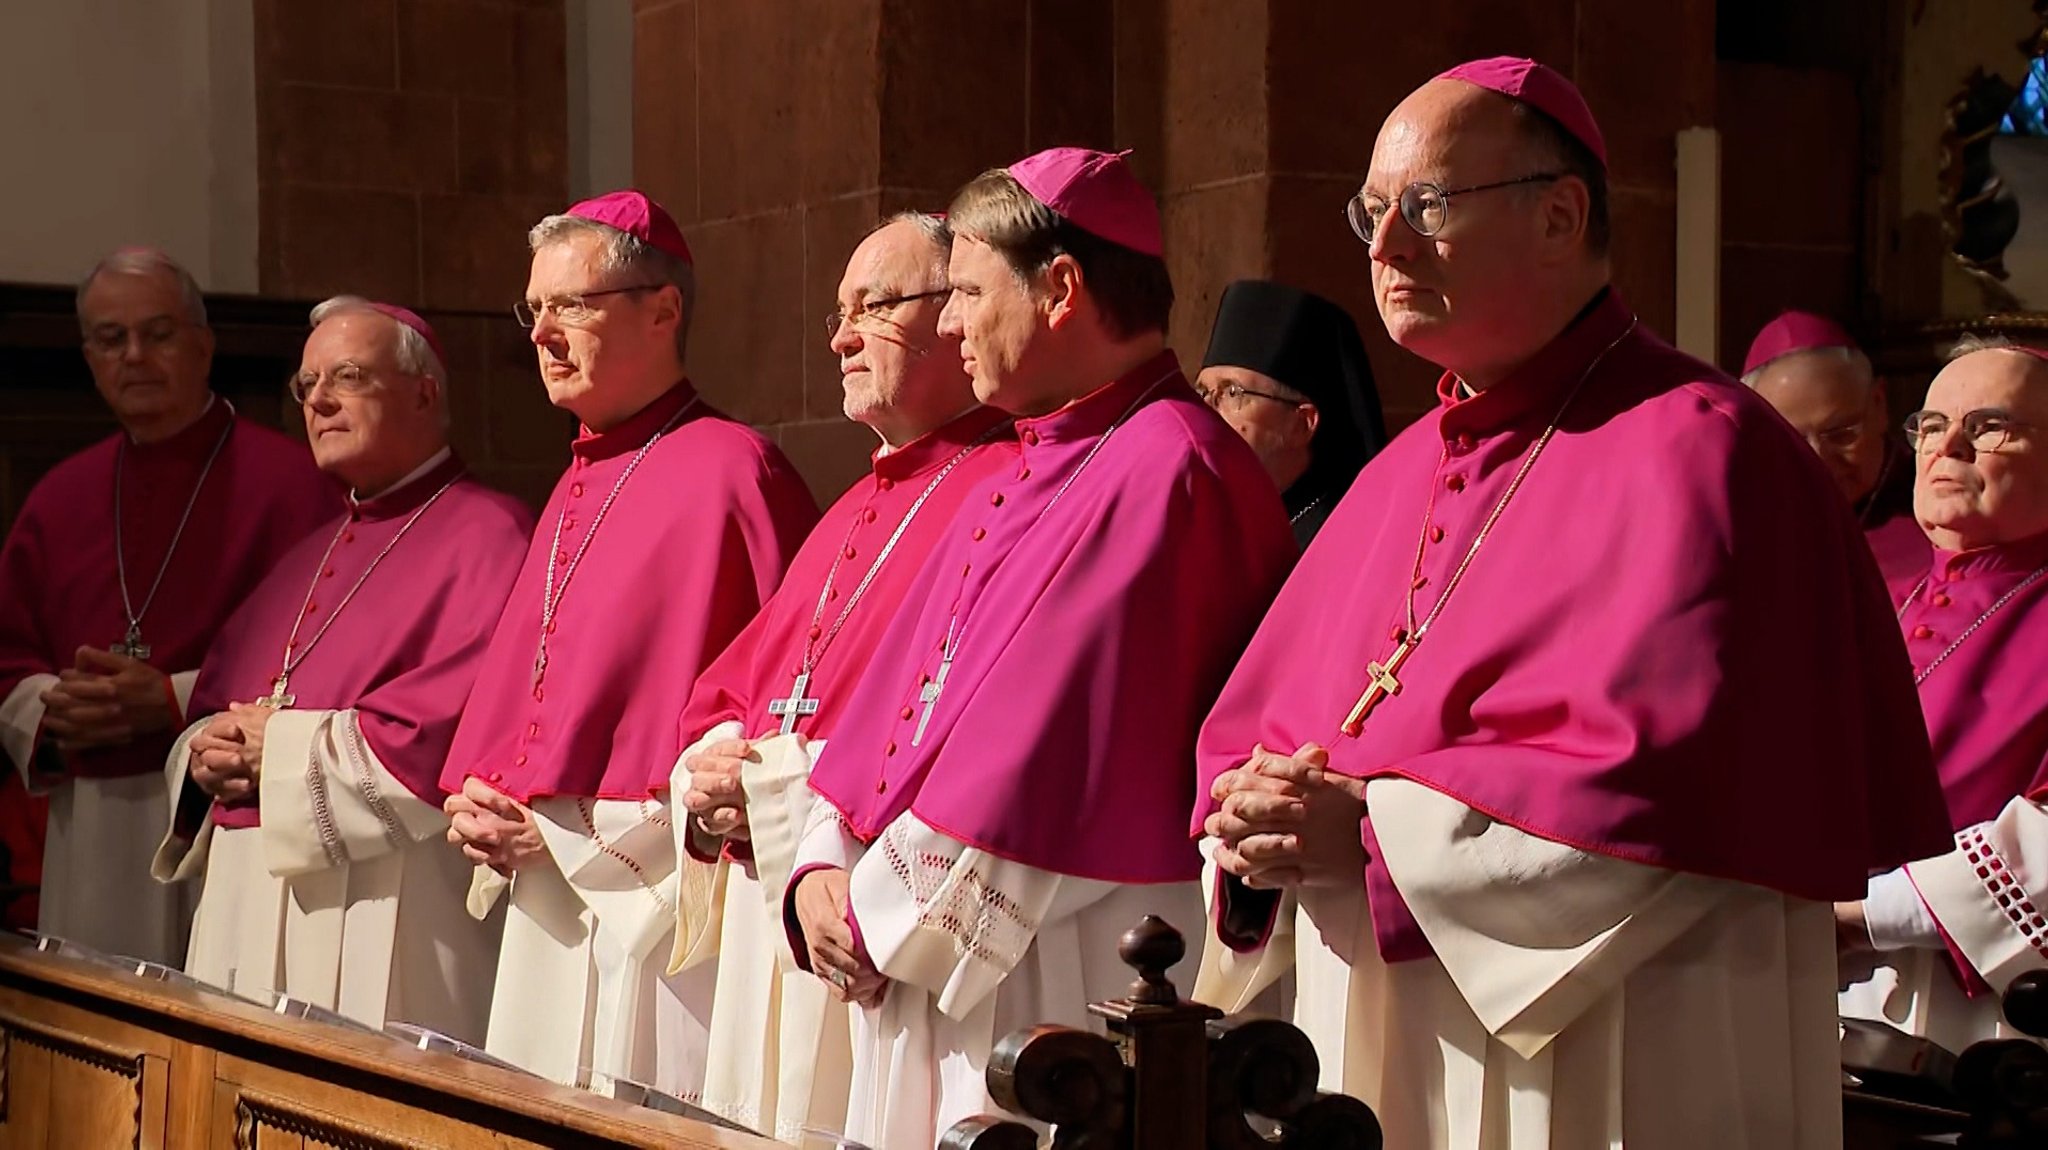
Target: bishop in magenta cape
347,895
58,592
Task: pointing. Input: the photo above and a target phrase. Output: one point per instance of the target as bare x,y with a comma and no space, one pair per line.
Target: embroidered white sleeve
620,858
1988,893
179,859
21,716
327,799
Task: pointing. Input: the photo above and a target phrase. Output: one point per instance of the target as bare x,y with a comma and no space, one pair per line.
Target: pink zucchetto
415,321
1097,191
1793,332
638,216
1542,88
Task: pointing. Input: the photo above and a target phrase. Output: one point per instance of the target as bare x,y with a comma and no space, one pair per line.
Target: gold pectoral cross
1382,684
277,699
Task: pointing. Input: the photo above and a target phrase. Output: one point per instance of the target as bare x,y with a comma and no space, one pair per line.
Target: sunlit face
1832,401
1258,407
897,372
148,360
610,344
998,320
1460,295
1967,497
365,415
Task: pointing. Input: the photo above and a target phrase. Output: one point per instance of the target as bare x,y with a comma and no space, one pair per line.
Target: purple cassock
761,666
693,543
1674,647
403,650
1098,593
58,572
1986,702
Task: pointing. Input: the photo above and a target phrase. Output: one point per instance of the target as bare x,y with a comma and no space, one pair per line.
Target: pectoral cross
1382,684
540,662
132,647
277,699
930,696
796,705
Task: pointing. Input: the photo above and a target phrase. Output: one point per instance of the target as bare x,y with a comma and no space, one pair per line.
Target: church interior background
1878,160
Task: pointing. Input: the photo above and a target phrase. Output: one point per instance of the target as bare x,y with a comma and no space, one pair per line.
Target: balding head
1982,467
1507,266
375,406
1829,395
899,375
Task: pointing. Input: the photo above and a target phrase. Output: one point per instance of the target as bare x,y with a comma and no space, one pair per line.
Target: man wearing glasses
1545,779
671,527
1934,935
125,561
1820,381
307,786
780,1049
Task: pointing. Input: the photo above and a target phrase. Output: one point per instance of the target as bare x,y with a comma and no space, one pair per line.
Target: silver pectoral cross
796,705
132,647
278,699
929,696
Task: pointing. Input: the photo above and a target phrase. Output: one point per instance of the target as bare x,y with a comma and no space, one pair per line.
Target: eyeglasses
1234,394
1987,429
1841,438
875,309
349,379
1425,207
111,339
571,308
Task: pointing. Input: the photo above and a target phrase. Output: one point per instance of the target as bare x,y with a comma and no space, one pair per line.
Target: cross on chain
132,647
929,696
797,705
277,699
1382,684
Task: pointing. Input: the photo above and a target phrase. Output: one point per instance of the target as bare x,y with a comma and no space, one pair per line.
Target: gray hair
415,355
627,253
135,261
1845,354
934,227
1970,343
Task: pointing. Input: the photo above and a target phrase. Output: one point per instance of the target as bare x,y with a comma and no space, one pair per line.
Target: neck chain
819,638
551,594
1920,676
1311,506
132,645
1381,681
929,696
280,689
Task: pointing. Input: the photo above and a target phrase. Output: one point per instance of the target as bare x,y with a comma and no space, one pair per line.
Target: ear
668,306
1311,418
1062,284
430,392
1566,211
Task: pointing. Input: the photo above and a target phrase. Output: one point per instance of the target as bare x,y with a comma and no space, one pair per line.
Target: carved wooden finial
1151,948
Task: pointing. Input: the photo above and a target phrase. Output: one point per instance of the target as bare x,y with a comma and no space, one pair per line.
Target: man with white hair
126,559
669,530
307,787
1808,368
1944,932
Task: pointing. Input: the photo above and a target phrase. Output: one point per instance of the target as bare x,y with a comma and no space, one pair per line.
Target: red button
1455,483
532,729
1922,632
520,761
496,777
1024,473
1393,634
906,712
348,537
568,523
1436,534
996,499
967,570
886,484
327,574
561,556
537,692
576,490
1421,581
1464,443
1030,435
816,631
881,786
551,626
849,552
831,594
312,607
869,516
890,749
1941,600
980,534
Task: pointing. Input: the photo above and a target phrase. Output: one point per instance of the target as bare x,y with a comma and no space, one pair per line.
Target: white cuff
21,717
181,686
1897,916
328,800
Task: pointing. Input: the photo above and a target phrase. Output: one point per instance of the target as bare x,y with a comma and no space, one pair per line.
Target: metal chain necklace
1310,506
552,592
1920,676
1381,681
280,695
132,646
816,642
929,695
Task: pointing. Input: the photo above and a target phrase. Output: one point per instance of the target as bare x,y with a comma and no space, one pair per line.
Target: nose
951,323
132,347
1392,238
845,340
545,330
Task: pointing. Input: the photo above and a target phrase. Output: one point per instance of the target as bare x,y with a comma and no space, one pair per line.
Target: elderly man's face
366,416
1265,414
896,370
1971,496
1832,401
148,359
1460,295
591,344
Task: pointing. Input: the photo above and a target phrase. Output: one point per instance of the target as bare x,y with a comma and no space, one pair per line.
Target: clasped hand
821,899
106,700
715,796
492,828
1287,820
225,759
